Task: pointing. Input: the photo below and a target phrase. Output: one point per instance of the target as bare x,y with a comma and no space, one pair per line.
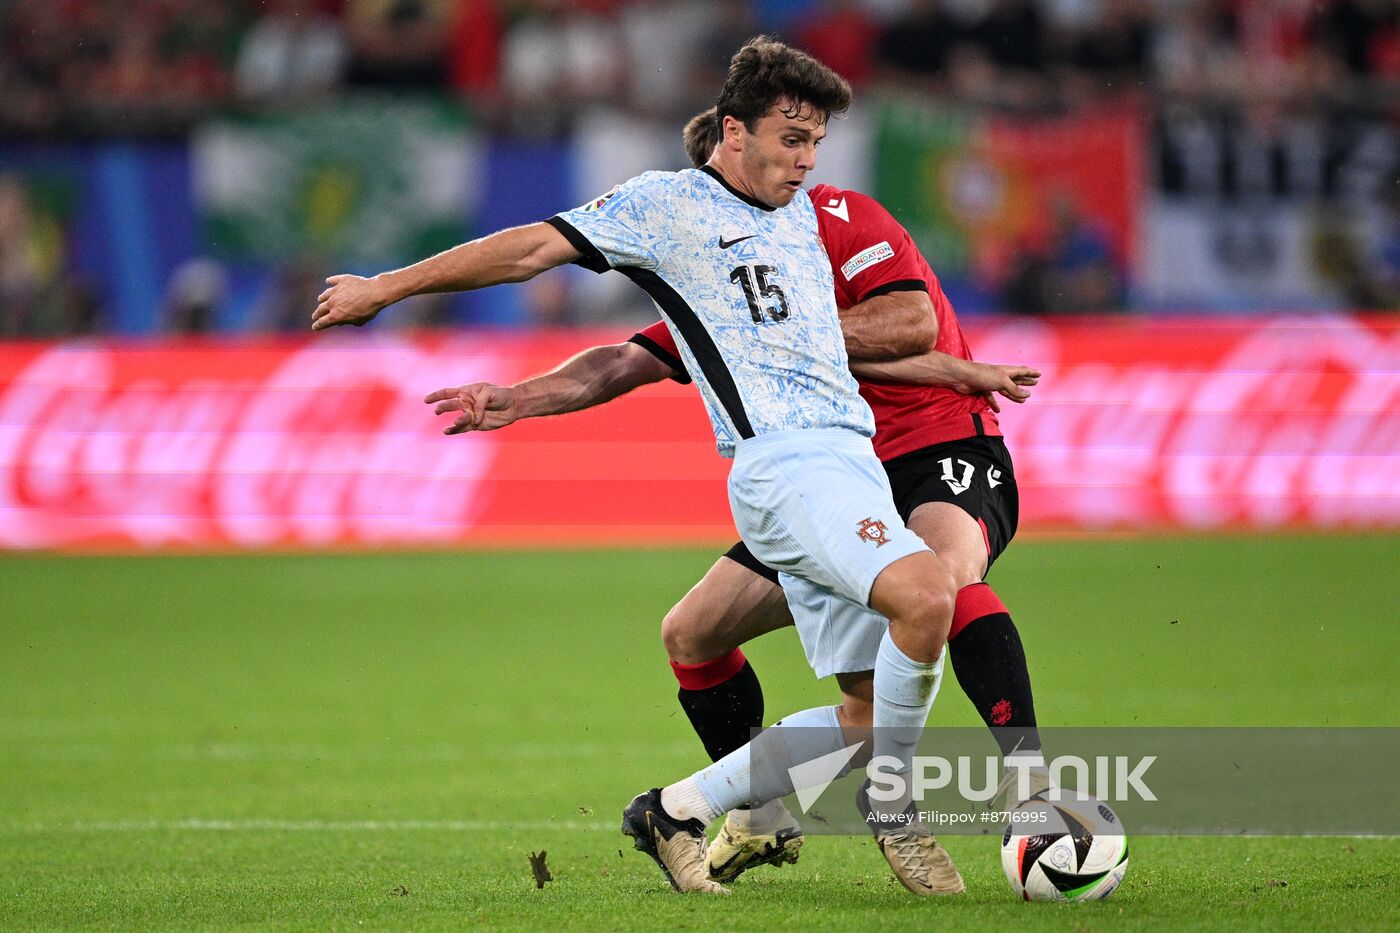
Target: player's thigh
956,537
837,635
730,605
961,498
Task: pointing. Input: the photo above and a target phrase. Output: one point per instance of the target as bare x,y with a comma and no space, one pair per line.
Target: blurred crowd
1214,75
75,67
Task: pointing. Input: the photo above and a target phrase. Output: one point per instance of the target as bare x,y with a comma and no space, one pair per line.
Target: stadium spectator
1273,99
1192,52
292,51
19,261
1084,275
1112,49
1012,34
195,297
32,66
1384,272
844,35
39,297
167,65
660,39
733,23
555,60
474,50
281,303
150,67
1074,272
399,43
1352,28
914,49
200,41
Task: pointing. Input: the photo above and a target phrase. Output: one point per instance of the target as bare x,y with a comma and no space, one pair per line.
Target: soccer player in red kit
938,437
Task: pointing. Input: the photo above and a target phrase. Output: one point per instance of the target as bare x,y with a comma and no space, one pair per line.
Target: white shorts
816,506
839,636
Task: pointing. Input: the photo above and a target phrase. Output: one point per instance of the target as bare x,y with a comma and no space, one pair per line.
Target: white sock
684,800
759,771
760,820
904,694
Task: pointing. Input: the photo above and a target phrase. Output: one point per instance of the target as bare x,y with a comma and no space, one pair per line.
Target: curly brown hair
765,71
701,136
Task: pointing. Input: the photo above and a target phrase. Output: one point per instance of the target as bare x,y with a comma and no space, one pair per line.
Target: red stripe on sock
973,603
709,674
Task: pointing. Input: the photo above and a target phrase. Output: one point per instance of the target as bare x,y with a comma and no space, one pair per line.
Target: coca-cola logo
333,445
1289,421
1207,424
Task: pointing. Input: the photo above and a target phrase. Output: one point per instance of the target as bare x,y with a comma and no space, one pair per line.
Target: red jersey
872,254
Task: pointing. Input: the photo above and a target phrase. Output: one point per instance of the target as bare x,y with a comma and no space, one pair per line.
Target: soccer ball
1062,845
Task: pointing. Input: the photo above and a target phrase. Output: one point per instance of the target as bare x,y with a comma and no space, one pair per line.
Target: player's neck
732,175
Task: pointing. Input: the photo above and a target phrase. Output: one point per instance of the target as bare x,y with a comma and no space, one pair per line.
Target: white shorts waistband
839,438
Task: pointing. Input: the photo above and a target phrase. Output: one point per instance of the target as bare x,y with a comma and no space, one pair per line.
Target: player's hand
483,407
992,379
350,299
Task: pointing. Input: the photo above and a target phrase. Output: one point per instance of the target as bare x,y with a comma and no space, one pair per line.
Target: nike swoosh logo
726,245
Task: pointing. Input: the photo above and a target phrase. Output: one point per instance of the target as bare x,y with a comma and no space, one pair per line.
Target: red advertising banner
1190,424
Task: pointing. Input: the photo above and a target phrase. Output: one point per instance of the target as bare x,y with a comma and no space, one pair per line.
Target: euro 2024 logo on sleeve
596,203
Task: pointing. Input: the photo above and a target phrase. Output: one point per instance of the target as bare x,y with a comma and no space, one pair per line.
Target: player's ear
733,130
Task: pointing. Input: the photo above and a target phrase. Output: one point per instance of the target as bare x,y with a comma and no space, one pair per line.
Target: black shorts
974,473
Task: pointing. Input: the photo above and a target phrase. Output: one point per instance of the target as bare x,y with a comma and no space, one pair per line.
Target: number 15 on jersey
757,283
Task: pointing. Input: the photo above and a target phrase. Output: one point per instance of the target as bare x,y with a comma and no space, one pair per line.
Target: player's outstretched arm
890,326
969,377
595,376
512,255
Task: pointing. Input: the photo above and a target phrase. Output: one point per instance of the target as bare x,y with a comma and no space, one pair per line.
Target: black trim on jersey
593,258
664,355
902,285
698,339
977,423
751,202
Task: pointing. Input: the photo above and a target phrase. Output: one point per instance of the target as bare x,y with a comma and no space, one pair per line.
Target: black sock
724,715
990,665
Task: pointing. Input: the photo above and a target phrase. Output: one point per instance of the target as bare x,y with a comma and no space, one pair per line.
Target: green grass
285,740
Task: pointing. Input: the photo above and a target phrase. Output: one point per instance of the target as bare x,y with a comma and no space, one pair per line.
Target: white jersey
745,289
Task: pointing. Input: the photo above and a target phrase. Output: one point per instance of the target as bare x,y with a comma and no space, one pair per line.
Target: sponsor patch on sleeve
598,202
867,258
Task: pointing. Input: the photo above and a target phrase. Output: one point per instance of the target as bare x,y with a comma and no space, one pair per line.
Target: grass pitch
381,740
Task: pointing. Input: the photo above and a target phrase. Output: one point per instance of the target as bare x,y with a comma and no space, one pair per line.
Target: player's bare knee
682,638
923,630
936,599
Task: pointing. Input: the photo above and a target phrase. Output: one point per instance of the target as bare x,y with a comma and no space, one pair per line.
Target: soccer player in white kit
730,255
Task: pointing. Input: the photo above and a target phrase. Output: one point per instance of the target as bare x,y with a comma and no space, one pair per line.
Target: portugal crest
873,531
